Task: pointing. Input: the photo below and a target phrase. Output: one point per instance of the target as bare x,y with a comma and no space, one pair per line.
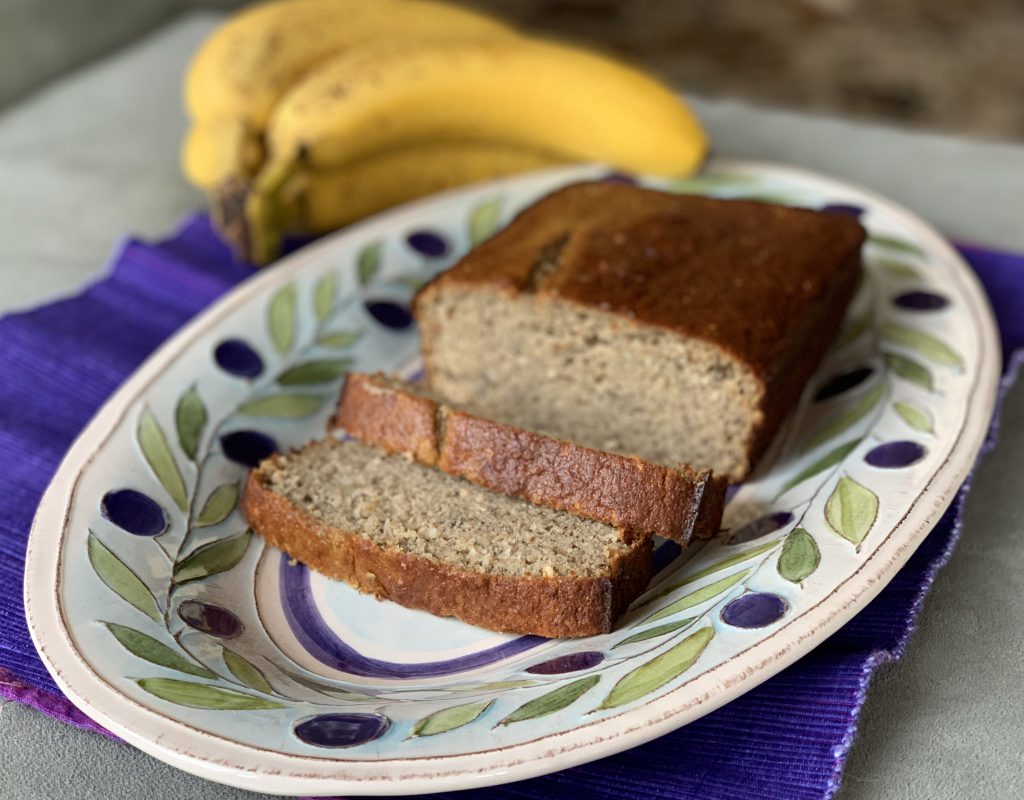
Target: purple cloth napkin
788,738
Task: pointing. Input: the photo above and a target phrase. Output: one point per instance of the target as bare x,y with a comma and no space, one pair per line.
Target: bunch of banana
309,114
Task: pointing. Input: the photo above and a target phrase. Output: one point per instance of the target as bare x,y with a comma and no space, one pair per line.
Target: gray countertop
96,156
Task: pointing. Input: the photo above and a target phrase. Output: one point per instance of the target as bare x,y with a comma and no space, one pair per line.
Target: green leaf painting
656,631
893,243
190,419
339,340
323,296
852,330
709,183
202,695
827,461
849,416
555,700
851,510
916,417
315,372
450,718
218,505
484,220
932,348
898,269
367,263
212,558
659,671
121,580
910,370
244,670
330,691
156,652
799,557
158,455
699,596
718,566
281,318
283,406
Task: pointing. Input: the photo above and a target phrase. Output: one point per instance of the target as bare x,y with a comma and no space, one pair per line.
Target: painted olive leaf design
893,243
799,557
157,452
852,331
218,505
555,700
489,687
283,406
340,340
657,630
659,670
120,578
699,596
367,263
202,695
281,318
827,461
484,220
849,417
246,672
851,510
450,718
156,652
707,183
212,558
189,420
411,282
909,370
315,372
330,691
718,566
323,296
916,418
929,346
898,269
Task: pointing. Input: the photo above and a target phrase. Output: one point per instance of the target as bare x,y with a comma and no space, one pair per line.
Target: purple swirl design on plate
316,636
390,315
573,662
342,730
754,610
238,358
895,455
248,448
760,527
921,301
664,554
843,383
135,512
210,619
843,208
619,177
428,243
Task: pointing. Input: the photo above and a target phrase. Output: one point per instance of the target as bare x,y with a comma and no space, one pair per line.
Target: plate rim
293,774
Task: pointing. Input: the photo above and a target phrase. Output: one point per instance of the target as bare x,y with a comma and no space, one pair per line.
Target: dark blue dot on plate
238,358
573,662
428,243
843,383
390,315
210,619
619,177
762,526
664,554
895,455
921,301
134,512
754,610
342,730
247,448
843,208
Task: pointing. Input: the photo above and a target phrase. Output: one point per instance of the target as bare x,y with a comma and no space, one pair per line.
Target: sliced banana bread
412,534
680,329
627,492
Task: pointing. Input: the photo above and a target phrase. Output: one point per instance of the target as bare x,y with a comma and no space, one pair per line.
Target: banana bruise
529,93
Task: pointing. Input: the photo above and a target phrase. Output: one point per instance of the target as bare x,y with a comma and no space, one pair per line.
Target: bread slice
402,417
412,534
677,328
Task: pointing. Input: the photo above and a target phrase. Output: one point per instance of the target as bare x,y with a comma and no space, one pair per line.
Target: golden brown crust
629,493
765,283
546,606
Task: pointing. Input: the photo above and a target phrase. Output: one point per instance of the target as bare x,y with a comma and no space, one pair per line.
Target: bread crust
766,284
627,492
558,606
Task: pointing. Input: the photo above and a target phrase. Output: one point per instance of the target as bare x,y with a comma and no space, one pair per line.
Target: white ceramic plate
165,620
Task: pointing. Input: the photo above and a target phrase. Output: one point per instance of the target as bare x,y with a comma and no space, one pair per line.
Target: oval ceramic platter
166,620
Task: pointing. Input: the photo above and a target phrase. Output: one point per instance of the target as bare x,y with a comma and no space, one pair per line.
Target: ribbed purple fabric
786,739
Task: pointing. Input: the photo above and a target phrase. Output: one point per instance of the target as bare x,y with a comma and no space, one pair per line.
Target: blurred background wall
953,65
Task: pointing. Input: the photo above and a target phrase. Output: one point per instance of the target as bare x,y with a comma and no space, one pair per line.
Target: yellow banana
245,66
525,92
219,151
308,201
